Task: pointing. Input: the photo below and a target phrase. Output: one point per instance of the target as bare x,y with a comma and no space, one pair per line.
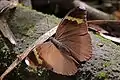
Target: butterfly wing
73,33
54,60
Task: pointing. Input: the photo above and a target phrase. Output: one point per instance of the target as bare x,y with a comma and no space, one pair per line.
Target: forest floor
28,25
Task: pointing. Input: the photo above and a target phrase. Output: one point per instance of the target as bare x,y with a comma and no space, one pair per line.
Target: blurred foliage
108,6
61,7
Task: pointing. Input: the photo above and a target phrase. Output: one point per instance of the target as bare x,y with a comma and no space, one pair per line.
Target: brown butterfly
70,45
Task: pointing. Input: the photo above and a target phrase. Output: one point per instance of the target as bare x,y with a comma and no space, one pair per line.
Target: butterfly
67,48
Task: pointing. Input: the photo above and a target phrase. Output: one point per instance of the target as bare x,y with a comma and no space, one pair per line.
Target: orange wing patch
79,21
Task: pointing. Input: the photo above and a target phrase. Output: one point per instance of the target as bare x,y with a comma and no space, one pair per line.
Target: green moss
106,64
102,38
102,75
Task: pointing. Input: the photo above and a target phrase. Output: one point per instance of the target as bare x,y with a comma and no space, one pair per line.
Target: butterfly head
77,12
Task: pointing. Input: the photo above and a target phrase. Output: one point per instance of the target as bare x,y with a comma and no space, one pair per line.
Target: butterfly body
70,45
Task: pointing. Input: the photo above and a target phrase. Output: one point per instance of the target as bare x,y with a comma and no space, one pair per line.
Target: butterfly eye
82,7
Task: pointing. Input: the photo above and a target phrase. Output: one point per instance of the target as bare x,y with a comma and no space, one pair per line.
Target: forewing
53,58
73,33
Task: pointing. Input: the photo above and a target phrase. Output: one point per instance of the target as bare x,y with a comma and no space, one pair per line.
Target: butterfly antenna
47,22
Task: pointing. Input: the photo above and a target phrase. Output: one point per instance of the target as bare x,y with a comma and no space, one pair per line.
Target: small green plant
106,64
102,75
102,38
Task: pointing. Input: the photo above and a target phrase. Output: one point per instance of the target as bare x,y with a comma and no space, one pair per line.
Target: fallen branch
93,24
96,14
102,21
4,28
108,29
5,6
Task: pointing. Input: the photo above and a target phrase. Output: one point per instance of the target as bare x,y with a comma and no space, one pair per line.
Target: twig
102,21
4,28
39,41
94,24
